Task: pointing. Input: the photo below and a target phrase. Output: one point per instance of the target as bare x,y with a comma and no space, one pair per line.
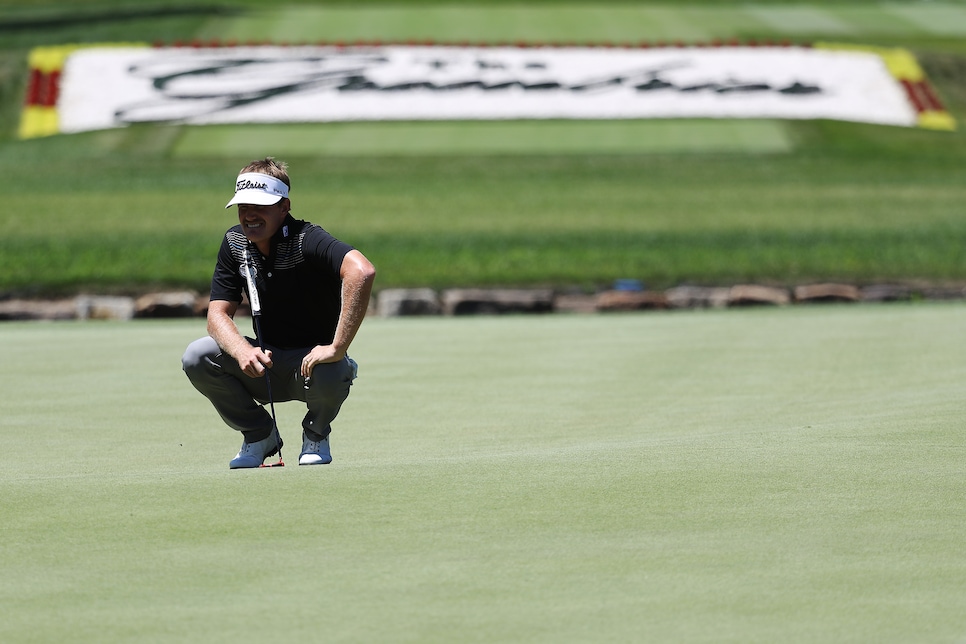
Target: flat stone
19,309
104,307
887,293
631,300
754,294
396,302
470,301
827,293
178,304
574,303
944,293
697,297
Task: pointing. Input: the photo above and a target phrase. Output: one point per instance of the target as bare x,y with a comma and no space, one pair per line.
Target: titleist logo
247,184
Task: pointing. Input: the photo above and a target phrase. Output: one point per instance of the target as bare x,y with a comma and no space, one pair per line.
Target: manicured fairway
509,203
601,22
789,475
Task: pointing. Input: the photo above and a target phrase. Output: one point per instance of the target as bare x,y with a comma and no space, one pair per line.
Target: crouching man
313,292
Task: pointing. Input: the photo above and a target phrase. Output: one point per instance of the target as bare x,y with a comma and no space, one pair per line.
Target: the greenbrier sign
105,87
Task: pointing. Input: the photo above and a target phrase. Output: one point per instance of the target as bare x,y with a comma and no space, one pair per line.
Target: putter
256,315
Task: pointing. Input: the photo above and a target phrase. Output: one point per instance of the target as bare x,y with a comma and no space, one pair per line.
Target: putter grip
252,289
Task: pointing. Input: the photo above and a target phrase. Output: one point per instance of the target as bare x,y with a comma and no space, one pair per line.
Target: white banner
112,87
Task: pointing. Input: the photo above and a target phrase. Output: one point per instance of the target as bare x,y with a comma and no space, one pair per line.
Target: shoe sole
323,462
272,453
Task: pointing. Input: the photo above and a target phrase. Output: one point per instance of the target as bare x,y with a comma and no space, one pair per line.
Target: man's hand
357,276
254,361
221,326
320,354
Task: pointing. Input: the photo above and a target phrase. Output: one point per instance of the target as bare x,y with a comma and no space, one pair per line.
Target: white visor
259,189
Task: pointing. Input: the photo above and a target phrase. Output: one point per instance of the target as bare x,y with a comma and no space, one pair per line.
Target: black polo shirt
299,286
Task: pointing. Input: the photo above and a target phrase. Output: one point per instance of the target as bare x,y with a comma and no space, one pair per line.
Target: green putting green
750,475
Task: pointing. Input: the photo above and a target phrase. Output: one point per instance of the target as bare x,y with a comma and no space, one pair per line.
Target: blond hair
271,167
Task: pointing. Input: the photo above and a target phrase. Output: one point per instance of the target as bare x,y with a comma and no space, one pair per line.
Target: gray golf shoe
315,452
254,454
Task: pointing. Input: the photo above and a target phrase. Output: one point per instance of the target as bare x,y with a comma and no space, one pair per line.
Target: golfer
313,291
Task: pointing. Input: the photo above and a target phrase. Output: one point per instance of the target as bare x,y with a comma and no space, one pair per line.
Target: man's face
259,223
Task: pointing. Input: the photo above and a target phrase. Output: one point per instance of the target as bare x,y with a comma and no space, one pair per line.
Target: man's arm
357,275
221,327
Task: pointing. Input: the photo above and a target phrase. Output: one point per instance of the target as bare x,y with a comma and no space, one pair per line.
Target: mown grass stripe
669,22
940,20
801,20
567,22
874,21
510,137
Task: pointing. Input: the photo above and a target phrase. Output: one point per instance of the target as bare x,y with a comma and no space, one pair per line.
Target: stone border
402,302
175,304
406,302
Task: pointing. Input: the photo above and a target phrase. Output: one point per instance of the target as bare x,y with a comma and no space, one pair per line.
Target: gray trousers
239,399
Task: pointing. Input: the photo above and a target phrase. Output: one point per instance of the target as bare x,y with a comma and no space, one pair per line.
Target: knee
331,382
197,356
